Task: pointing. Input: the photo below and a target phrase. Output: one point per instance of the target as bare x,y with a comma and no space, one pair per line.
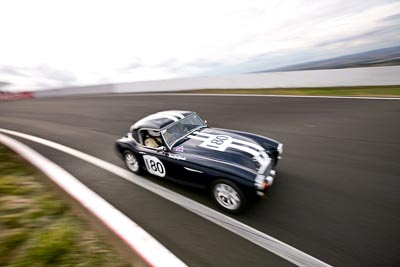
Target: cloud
190,67
63,76
11,71
141,40
335,30
134,63
382,35
392,18
41,76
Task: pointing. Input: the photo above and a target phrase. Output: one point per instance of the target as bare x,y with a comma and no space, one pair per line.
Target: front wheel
228,196
131,162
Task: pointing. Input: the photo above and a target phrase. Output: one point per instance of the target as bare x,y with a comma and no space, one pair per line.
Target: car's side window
150,138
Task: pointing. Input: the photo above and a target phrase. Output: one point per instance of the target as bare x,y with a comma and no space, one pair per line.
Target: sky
57,43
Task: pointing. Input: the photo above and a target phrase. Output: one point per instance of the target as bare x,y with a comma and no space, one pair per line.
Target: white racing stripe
153,117
226,163
257,237
238,141
253,145
253,149
196,138
172,113
160,116
149,249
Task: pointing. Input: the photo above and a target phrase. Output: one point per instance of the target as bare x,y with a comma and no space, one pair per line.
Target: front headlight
280,149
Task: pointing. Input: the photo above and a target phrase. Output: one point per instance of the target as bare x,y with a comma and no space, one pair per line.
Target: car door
184,171
155,162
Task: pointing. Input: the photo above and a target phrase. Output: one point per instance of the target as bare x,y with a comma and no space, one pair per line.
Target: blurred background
336,195
49,44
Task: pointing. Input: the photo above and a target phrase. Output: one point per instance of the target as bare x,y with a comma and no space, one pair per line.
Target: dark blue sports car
179,145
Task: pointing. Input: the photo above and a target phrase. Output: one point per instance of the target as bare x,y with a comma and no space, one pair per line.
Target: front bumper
280,150
263,182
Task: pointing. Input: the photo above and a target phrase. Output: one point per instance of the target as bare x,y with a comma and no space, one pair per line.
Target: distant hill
373,58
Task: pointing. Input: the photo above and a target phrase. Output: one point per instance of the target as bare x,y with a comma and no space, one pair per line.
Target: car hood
225,146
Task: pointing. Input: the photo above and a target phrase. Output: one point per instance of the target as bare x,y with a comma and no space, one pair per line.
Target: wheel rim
227,196
131,162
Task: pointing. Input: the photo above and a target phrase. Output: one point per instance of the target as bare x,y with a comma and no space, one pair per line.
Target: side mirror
205,121
161,149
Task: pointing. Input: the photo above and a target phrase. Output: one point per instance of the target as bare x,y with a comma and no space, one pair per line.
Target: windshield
182,128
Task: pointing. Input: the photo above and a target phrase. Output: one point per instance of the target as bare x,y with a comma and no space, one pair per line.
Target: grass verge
38,228
374,91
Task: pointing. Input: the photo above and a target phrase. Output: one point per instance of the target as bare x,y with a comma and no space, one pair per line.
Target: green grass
376,91
37,228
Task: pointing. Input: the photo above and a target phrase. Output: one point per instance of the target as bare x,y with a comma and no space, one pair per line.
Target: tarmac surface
336,195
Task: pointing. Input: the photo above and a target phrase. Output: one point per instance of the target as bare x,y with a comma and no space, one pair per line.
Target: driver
153,139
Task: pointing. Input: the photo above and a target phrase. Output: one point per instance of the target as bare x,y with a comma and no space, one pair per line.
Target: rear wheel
228,196
131,162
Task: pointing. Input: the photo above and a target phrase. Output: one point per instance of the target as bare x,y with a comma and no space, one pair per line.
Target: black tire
131,162
228,196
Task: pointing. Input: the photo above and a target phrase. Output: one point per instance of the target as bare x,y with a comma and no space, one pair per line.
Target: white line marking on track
248,95
149,249
255,236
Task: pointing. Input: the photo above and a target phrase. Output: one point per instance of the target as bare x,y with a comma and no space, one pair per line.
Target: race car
178,145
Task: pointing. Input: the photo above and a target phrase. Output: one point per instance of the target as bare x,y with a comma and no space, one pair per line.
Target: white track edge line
248,95
257,237
148,248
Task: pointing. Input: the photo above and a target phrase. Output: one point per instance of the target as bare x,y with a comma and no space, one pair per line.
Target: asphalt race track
337,193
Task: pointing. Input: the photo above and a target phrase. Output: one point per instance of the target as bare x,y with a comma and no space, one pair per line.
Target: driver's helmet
154,133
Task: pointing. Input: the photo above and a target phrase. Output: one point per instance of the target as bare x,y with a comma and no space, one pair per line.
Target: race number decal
217,142
154,165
